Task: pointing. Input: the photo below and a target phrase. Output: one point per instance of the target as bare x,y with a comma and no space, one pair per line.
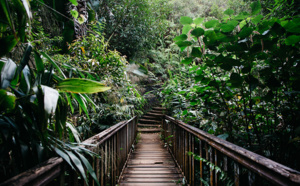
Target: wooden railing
221,162
113,145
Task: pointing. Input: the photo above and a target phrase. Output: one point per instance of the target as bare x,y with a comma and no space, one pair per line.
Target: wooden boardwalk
150,164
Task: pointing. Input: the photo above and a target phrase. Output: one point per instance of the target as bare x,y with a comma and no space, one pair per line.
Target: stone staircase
151,121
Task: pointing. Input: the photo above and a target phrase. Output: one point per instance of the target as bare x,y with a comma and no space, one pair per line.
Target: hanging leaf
185,20
183,43
89,167
53,63
77,85
50,98
236,80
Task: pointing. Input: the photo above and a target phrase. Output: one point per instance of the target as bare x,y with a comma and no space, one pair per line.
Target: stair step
148,125
151,117
157,111
154,114
148,121
149,130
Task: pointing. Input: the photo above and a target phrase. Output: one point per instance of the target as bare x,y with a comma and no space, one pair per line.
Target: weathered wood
269,170
150,163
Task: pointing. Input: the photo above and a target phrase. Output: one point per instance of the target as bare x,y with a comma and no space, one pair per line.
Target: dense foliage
241,81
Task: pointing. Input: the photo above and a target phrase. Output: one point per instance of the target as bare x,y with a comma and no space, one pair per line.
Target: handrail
113,145
241,164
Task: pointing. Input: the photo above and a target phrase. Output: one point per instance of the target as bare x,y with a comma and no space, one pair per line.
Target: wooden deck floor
151,164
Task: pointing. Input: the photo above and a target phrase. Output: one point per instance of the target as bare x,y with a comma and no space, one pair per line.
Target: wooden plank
148,184
147,175
151,180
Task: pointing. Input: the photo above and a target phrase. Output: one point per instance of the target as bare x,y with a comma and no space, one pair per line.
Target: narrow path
150,164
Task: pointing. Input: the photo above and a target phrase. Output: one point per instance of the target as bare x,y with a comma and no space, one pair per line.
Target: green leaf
77,85
293,39
25,58
255,7
228,12
233,23
293,26
7,101
197,32
236,80
187,61
7,44
245,32
77,164
227,28
186,29
185,20
74,2
39,63
89,167
74,13
182,37
26,5
257,19
53,63
196,52
198,21
183,43
211,23
82,103
64,156
69,102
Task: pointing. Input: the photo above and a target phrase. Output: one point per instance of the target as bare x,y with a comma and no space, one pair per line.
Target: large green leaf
211,23
50,98
185,20
183,43
197,32
293,39
77,85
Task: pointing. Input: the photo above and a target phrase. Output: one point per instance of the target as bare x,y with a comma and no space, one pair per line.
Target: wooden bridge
159,150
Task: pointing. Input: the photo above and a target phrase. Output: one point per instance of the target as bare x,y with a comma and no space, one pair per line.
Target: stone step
149,130
149,125
148,121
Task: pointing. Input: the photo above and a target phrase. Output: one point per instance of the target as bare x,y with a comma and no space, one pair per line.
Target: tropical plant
245,81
